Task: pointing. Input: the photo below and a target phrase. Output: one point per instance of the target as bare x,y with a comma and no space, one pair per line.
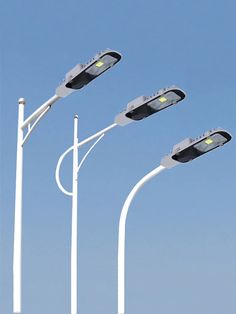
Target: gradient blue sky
181,227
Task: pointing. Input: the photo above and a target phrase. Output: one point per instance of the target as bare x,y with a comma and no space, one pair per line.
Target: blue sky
181,227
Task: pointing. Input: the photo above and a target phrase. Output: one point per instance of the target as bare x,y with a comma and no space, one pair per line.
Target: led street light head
190,149
99,64
143,106
83,74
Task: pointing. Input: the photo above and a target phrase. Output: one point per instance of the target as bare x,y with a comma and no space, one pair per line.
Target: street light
82,74
144,106
189,149
78,77
172,96
183,152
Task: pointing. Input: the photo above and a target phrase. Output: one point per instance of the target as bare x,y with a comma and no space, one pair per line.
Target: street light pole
121,237
185,151
74,221
18,212
74,195
30,123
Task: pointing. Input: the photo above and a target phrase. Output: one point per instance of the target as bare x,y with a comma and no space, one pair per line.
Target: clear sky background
181,227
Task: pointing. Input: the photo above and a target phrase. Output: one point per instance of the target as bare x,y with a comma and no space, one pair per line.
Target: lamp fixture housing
144,106
82,74
190,149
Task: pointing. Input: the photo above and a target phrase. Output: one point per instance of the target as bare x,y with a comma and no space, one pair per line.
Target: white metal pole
18,213
74,222
121,239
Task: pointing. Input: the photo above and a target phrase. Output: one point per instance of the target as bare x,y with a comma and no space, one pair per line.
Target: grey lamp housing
144,106
190,149
82,74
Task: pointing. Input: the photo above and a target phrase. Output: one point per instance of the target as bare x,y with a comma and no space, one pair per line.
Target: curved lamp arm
90,149
38,111
99,134
57,172
121,239
31,128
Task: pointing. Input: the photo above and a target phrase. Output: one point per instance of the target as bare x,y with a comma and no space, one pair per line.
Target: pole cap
21,101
